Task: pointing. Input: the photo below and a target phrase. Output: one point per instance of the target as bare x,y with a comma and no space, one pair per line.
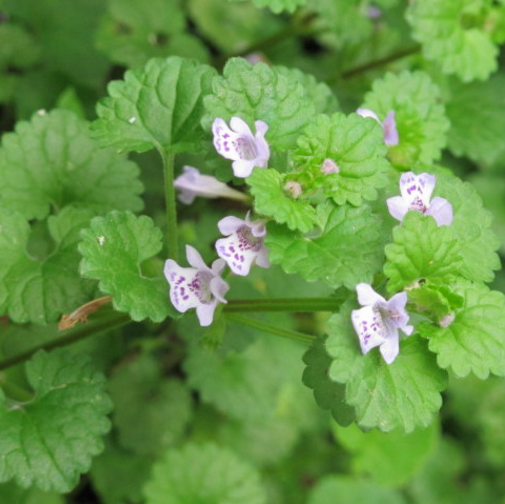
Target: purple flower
388,126
378,322
198,287
416,193
244,245
239,144
192,184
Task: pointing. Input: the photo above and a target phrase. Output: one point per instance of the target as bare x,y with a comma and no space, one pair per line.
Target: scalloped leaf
472,226
49,441
113,249
475,341
347,250
403,395
159,106
329,395
204,474
357,147
421,250
453,36
51,162
258,92
420,117
28,282
270,199
277,6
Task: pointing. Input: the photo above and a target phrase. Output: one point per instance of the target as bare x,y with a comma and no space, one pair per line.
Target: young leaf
420,117
389,458
329,395
355,145
441,28
435,300
258,92
142,397
51,162
113,249
270,199
49,441
28,282
204,474
348,249
158,106
421,250
134,31
352,491
475,341
472,227
404,394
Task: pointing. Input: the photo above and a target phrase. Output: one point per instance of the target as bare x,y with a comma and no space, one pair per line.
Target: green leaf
203,474
392,458
420,117
357,147
403,395
51,162
277,6
435,300
453,35
65,34
329,395
352,491
113,249
477,115
13,494
270,199
133,31
258,92
39,289
318,92
157,106
472,227
475,341
347,250
116,465
422,250
142,397
49,441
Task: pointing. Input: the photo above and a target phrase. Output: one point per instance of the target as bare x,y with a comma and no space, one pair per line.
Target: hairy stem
73,335
284,305
277,331
171,208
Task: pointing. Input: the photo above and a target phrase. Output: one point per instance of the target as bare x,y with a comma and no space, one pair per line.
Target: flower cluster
377,323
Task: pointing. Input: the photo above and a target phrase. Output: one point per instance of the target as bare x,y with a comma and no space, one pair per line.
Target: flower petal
182,281
228,225
397,207
239,255
416,190
441,210
225,140
205,313
369,327
367,113
367,296
396,307
390,132
219,288
262,258
391,347
195,259
238,125
242,168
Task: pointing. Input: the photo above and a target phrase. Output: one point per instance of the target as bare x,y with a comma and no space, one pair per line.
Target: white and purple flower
244,244
378,322
391,137
192,184
237,143
416,192
197,287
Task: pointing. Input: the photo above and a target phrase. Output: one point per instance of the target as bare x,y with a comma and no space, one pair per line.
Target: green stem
172,233
348,74
283,333
91,329
302,305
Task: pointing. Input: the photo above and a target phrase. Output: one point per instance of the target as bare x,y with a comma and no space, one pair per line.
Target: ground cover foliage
112,389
